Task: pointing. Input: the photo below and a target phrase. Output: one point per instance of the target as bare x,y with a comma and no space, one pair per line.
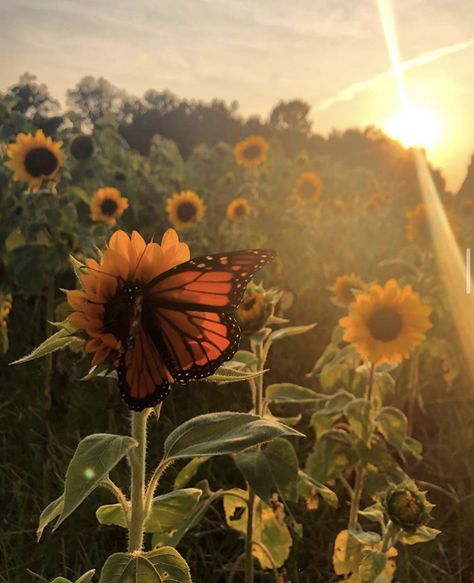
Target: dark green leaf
222,433
392,424
290,393
95,456
330,456
128,568
273,468
52,511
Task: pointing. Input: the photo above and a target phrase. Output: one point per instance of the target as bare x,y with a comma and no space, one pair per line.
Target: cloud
355,89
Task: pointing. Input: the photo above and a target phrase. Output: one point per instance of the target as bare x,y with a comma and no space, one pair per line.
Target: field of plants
143,438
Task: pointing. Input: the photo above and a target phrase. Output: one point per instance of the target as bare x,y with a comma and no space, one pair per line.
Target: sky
330,53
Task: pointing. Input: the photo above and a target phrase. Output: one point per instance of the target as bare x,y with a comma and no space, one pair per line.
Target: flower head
252,151
418,226
108,205
407,507
386,323
238,209
256,307
82,147
344,286
97,308
35,159
185,208
308,188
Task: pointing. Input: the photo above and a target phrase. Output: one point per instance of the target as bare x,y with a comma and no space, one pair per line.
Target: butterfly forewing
215,282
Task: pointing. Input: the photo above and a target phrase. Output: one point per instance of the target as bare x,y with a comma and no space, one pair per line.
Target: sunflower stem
49,358
258,404
137,490
360,469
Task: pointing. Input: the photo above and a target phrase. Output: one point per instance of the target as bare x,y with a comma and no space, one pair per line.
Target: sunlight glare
415,127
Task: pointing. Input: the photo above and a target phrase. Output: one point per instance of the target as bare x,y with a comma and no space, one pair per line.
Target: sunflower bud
407,507
256,307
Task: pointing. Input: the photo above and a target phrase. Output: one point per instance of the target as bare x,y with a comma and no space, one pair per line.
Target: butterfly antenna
138,262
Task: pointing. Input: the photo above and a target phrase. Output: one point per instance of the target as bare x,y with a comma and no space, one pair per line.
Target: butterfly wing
191,307
143,378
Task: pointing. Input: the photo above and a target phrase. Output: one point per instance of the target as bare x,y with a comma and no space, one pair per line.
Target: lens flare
415,127
449,257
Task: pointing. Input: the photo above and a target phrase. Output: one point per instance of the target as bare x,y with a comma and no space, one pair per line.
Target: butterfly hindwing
197,342
143,378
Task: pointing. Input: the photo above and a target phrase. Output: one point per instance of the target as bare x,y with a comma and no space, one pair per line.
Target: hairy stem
137,491
120,497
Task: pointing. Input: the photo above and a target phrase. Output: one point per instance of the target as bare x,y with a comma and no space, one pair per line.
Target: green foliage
158,566
95,456
271,469
222,433
167,512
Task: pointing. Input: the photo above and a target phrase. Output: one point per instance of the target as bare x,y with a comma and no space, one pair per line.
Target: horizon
334,58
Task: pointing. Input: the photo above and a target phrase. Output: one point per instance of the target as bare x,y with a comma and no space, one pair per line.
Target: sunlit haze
330,54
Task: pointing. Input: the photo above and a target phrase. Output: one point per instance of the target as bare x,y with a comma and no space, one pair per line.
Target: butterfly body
179,326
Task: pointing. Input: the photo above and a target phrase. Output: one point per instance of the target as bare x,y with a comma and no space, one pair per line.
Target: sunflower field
225,358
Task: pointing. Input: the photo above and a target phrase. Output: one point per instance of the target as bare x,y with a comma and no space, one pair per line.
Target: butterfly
180,326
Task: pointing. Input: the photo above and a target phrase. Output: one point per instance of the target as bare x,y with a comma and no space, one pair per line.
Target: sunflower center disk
249,303
108,207
82,147
186,211
240,210
40,162
307,189
252,152
385,324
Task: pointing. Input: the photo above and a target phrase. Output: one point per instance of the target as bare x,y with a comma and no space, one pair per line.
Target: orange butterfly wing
143,378
193,305
187,329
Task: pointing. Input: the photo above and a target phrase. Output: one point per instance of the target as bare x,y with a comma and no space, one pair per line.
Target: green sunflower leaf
95,456
222,433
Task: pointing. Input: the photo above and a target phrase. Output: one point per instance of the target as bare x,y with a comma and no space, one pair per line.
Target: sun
415,127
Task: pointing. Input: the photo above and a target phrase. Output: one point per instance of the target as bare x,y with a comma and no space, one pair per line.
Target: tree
291,116
93,98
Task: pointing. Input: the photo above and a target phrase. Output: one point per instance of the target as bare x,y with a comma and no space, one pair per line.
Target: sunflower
386,323
108,205
252,151
344,286
238,209
418,226
254,310
127,259
82,147
308,187
185,208
35,159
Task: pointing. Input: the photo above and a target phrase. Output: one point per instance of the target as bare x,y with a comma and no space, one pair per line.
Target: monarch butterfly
176,326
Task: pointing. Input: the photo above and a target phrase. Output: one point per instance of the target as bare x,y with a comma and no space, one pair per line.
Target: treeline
190,122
